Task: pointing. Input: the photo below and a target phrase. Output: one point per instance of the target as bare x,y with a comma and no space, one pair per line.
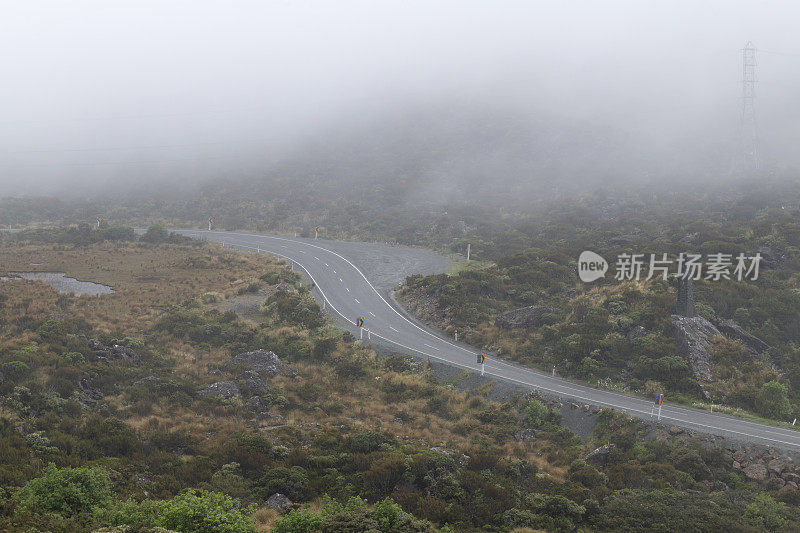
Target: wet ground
60,282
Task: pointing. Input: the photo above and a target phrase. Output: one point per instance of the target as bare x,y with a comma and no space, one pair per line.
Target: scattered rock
441,450
278,501
770,260
755,472
675,430
525,435
140,480
721,486
255,384
149,380
105,352
775,483
789,487
636,332
599,455
526,317
221,389
263,362
87,396
779,466
791,476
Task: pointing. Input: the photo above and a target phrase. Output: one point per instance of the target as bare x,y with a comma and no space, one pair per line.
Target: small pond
60,282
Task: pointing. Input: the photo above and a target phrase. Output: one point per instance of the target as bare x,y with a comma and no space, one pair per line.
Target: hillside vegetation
139,408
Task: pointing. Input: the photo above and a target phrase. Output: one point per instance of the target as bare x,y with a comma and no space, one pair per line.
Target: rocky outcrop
732,330
599,456
254,382
278,501
263,362
526,435
779,465
636,332
259,366
86,395
693,335
104,352
220,389
770,259
527,317
755,472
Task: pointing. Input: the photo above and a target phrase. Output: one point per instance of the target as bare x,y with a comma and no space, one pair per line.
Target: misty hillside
447,154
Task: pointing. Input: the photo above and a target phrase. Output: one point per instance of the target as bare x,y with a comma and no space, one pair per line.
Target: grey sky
99,92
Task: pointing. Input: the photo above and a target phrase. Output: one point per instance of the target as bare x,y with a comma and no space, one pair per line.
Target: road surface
336,269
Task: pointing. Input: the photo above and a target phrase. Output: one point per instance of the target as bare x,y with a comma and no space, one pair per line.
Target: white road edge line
526,384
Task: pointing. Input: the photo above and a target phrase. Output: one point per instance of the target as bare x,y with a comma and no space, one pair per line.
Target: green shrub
298,521
189,512
15,368
156,233
65,491
535,414
76,358
292,482
772,400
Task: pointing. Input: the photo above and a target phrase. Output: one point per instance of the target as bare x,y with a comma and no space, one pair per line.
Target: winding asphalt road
336,269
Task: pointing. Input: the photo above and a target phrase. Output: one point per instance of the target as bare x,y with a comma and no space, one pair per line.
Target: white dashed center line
348,289
301,251
334,272
373,314
434,347
356,299
340,279
317,258
327,265
391,328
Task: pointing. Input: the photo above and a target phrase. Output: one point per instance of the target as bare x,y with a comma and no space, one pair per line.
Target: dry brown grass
146,279
149,278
